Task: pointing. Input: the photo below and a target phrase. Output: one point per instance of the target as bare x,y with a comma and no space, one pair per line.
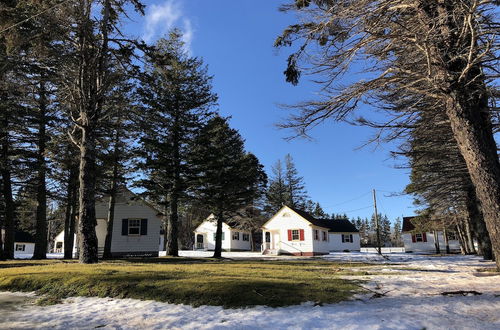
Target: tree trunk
478,225
40,251
218,234
474,137
469,236
87,252
173,219
172,247
462,240
446,241
436,242
109,224
112,199
466,106
8,247
69,219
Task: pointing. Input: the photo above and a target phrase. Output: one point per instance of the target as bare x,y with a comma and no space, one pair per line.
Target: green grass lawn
186,280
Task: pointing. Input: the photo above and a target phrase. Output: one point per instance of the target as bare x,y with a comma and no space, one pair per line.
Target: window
246,237
222,236
452,236
134,226
325,236
236,236
347,238
419,237
295,234
59,245
316,234
20,247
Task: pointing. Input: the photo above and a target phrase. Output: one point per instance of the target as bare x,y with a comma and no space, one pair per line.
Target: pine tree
295,184
397,239
177,93
450,63
227,178
89,79
277,192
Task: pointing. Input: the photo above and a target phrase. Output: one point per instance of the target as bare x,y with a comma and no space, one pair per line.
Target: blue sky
235,39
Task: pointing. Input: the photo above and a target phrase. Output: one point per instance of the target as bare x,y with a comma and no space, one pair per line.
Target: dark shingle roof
407,224
338,226
23,237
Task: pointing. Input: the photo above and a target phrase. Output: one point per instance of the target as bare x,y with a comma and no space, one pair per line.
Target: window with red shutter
424,236
289,234
413,238
301,234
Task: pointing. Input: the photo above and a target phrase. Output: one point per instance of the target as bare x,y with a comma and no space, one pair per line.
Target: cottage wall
428,246
207,228
124,244
336,243
284,220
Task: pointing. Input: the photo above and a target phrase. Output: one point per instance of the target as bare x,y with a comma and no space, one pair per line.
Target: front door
275,240
199,242
268,240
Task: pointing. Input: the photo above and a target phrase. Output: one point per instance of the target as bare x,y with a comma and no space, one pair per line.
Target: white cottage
420,241
233,239
291,231
136,227
24,242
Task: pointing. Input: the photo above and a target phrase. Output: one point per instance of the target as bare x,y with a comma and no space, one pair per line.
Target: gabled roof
337,226
23,237
407,224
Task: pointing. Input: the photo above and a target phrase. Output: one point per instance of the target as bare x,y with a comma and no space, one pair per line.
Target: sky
235,39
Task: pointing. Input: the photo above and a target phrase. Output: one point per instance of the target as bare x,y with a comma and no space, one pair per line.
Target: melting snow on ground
409,298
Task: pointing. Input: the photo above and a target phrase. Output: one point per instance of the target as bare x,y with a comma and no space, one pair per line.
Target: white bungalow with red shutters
416,241
291,231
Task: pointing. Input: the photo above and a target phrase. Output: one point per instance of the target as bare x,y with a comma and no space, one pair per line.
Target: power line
362,208
350,200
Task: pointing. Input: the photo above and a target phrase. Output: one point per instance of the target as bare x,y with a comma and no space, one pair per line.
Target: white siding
337,245
279,225
29,248
128,206
321,246
286,219
208,228
129,209
428,246
240,244
60,238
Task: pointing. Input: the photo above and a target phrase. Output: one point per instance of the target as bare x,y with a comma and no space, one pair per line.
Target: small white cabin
136,227
291,231
415,241
24,243
233,239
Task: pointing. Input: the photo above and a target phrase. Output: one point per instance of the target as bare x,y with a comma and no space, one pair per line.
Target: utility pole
377,226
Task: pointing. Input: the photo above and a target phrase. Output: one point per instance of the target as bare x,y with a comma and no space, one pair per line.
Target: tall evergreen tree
297,194
177,94
277,192
227,178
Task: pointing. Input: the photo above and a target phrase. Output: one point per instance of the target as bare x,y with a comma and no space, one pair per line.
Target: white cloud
160,18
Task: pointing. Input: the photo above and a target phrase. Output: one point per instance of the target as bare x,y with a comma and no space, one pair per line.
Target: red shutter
424,237
301,234
413,238
289,234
